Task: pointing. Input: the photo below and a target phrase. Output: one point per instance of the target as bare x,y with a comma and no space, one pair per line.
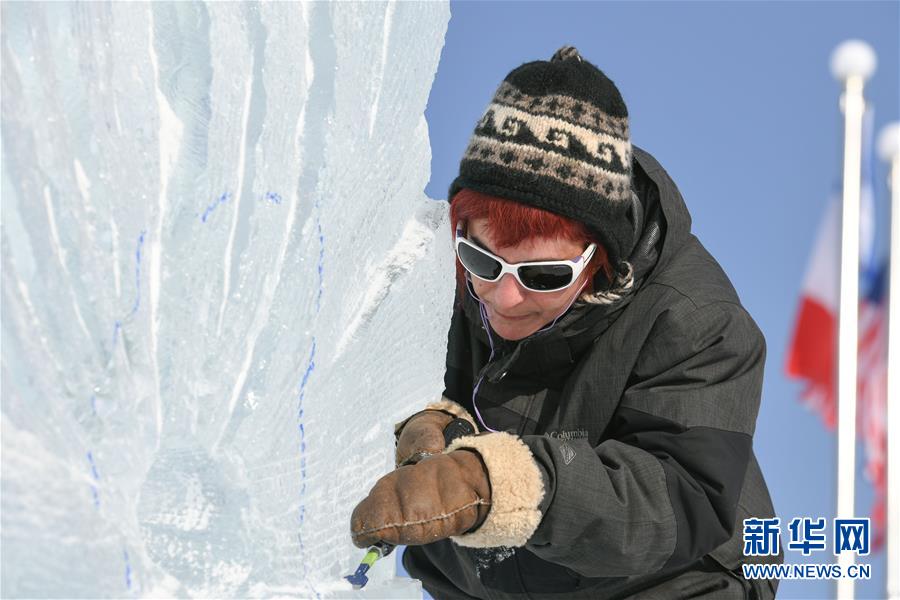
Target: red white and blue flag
812,355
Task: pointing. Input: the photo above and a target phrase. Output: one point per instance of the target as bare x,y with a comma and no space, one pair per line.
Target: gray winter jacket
628,466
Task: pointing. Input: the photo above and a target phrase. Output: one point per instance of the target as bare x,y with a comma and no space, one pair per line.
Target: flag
812,355
872,365
872,392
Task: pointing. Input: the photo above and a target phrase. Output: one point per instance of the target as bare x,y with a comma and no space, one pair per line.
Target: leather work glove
441,496
422,435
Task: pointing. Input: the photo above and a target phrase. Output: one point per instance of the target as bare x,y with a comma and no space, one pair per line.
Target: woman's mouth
510,318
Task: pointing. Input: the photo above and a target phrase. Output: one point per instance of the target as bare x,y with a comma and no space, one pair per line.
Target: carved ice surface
221,284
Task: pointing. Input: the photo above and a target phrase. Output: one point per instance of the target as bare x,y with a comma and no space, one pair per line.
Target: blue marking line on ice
321,266
127,569
137,284
221,200
273,197
310,367
96,477
94,401
115,335
137,274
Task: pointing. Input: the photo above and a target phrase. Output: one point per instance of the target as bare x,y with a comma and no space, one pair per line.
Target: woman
605,361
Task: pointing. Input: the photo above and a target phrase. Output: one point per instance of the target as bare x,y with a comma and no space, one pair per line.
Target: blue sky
737,102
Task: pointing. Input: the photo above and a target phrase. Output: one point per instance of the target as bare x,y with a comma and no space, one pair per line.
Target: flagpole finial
889,142
853,58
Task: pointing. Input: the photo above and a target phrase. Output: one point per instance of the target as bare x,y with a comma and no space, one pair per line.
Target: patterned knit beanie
555,136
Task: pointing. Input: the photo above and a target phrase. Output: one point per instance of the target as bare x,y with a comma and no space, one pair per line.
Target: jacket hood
666,221
661,224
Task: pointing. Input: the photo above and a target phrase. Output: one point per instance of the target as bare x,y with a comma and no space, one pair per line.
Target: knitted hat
555,136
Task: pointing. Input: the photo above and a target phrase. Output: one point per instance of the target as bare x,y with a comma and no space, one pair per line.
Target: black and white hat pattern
555,136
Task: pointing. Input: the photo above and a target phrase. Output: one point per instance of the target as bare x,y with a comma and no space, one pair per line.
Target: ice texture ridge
221,284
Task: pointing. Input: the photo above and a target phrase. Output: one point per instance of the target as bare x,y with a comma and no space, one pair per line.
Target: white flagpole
889,150
852,62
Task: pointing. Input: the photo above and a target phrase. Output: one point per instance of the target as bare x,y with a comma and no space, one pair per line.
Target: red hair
510,223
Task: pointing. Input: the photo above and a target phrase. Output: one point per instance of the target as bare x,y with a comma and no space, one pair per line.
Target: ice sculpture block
222,284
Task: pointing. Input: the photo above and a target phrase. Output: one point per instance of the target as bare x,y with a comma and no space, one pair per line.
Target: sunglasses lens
546,277
478,263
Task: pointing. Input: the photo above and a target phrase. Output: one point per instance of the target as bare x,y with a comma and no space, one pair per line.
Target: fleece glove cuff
517,489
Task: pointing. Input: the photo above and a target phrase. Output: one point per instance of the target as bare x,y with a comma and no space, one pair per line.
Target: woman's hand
421,436
441,496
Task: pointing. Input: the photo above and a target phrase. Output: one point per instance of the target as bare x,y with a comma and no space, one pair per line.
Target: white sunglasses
539,276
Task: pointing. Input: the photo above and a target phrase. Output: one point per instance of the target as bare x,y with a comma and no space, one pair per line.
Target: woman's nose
508,292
